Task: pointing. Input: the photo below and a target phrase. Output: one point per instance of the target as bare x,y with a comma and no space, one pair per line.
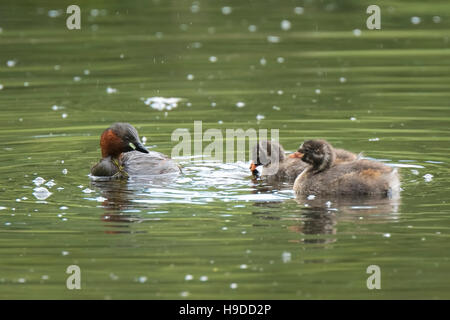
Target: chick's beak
296,155
252,167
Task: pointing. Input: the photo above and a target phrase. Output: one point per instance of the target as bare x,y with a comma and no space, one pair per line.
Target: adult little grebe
277,166
356,178
123,154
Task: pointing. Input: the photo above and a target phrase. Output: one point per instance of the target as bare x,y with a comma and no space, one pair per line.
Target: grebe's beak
138,147
296,155
253,167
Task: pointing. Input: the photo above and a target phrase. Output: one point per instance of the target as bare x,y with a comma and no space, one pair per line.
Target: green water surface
382,92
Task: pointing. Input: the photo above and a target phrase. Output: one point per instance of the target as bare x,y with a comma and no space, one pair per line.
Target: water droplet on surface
110,90
273,39
285,25
41,193
226,10
299,10
356,32
415,20
436,19
286,257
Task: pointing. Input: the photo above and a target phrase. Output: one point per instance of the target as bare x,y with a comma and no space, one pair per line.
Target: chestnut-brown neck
111,144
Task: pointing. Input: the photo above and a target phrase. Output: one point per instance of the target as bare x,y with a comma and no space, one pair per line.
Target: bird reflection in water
120,208
317,218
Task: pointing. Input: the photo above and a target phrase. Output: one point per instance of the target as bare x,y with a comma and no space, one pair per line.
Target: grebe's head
318,153
265,153
120,137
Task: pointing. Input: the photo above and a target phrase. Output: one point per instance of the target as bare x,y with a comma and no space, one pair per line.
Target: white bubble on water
252,28
352,119
436,19
189,277
161,103
286,257
87,190
357,32
142,279
56,108
276,108
280,59
203,278
311,197
110,90
65,253
86,72
233,285
11,63
273,39
213,59
415,20
318,91
195,7
94,12
64,171
263,61
428,177
386,235
41,193
240,104
54,13
51,183
299,10
64,115
190,77
243,266
1,86
76,78
226,10
342,80
38,181
285,25
260,117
